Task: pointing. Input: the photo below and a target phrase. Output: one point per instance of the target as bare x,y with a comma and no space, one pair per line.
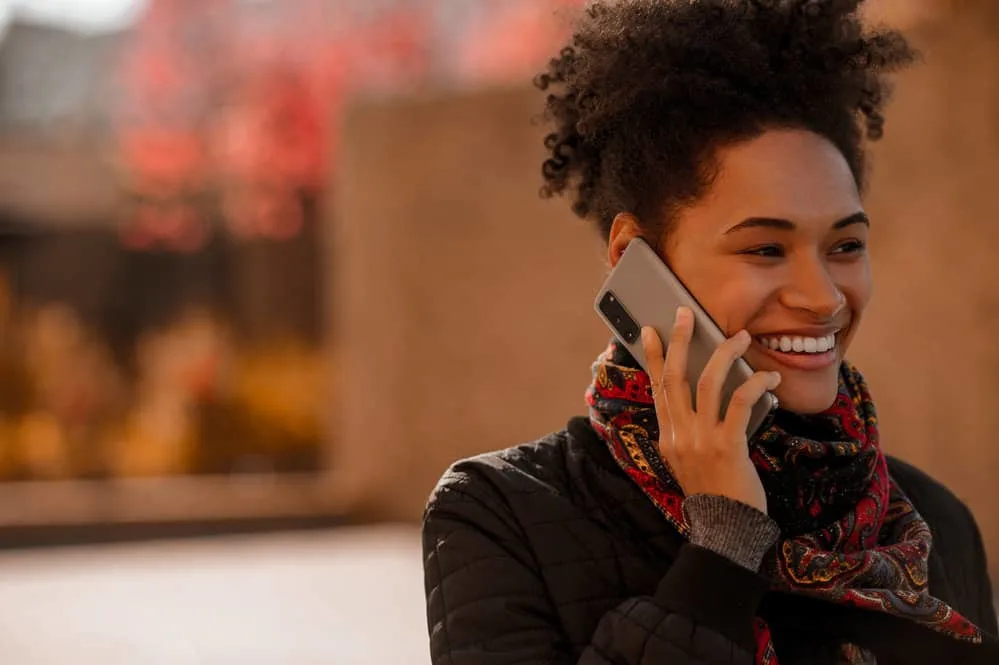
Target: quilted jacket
548,553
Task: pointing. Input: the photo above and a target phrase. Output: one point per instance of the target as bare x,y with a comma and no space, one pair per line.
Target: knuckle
721,446
710,438
729,353
743,397
674,376
736,345
727,347
750,391
655,377
707,380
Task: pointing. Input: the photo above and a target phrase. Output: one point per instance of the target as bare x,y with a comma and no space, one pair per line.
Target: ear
624,229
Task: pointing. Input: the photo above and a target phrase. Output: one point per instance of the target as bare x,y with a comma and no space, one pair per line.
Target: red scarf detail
848,533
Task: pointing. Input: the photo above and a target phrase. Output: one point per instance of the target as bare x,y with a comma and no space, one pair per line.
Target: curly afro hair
647,91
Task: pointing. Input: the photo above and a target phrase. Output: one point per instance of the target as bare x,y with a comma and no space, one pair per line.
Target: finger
709,386
653,348
675,368
654,360
740,407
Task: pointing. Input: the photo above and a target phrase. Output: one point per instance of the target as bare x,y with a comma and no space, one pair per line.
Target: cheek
733,298
734,305
857,286
732,293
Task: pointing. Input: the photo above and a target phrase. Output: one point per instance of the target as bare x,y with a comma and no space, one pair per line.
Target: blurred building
171,185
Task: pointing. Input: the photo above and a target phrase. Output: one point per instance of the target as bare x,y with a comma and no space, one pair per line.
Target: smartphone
641,291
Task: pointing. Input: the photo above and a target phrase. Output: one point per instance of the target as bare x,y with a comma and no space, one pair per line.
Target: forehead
788,174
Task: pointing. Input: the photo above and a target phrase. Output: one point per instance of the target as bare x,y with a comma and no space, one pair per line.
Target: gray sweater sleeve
730,528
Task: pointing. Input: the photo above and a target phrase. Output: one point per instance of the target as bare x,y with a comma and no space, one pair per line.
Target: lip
802,361
802,332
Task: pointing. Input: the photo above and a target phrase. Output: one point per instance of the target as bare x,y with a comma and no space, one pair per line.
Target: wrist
733,529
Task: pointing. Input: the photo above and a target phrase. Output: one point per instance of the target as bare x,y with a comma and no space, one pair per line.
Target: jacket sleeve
487,603
979,571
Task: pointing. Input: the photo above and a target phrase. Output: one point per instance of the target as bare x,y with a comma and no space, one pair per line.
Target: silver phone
642,291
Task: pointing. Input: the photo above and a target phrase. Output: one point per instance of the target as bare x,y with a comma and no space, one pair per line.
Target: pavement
347,596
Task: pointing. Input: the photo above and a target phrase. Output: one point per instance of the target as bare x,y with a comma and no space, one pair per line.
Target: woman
728,134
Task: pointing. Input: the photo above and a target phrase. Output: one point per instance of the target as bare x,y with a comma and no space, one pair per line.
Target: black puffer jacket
548,553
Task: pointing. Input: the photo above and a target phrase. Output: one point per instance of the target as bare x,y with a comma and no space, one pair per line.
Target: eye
765,251
849,247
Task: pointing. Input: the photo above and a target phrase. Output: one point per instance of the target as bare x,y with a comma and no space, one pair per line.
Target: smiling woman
729,135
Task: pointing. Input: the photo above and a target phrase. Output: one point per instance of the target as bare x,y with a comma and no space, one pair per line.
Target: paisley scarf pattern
848,533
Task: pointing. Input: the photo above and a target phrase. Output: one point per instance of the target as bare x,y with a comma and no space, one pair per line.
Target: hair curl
647,91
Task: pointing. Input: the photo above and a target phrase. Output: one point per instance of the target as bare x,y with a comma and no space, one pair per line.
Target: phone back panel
641,287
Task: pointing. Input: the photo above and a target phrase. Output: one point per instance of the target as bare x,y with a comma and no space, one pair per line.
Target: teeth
788,344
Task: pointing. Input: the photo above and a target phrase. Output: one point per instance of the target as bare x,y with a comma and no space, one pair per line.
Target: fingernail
743,335
775,379
682,314
646,335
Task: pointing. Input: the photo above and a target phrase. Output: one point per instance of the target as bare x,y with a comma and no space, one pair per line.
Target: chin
807,395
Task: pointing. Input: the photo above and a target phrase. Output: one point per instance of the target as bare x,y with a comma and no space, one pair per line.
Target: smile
798,344
800,352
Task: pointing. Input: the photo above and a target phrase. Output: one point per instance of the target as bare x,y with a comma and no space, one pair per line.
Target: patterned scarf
848,533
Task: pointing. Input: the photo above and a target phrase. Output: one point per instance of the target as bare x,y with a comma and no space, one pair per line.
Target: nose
812,290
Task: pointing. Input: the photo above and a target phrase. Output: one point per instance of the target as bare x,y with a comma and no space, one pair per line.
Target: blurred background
268,266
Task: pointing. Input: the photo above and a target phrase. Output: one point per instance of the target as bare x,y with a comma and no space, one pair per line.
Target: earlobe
624,229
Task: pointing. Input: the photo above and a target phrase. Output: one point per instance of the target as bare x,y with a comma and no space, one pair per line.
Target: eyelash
848,247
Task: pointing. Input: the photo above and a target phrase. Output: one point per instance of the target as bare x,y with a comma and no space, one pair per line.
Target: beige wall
929,345
463,316
462,309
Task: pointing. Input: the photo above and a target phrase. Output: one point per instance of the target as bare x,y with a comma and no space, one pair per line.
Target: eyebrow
788,225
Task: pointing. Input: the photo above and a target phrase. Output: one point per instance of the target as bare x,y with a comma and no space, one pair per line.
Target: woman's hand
706,454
